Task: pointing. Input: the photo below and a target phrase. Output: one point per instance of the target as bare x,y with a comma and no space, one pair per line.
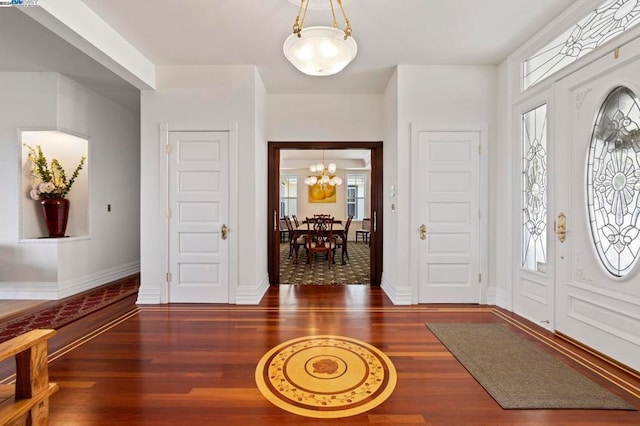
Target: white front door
594,306
199,209
448,197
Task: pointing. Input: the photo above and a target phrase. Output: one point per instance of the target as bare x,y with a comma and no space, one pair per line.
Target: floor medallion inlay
325,376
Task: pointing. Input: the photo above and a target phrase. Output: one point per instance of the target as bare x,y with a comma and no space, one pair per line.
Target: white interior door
449,209
199,210
594,306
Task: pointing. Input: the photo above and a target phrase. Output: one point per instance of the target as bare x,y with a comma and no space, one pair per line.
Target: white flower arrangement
51,181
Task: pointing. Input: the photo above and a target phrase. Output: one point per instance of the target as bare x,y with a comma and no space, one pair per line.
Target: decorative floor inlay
325,376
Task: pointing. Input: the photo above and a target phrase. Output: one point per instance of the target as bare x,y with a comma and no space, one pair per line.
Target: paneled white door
593,305
199,211
449,206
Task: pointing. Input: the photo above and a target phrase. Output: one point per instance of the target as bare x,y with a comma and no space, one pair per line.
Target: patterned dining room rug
517,374
356,270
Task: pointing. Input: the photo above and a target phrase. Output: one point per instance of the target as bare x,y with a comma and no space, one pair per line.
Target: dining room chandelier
320,50
323,175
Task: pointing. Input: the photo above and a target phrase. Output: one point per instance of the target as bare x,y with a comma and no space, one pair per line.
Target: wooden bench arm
28,401
20,343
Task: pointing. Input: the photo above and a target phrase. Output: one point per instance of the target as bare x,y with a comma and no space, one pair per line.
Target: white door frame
415,221
163,207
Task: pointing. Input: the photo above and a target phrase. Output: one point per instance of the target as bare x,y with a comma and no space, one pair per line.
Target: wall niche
68,149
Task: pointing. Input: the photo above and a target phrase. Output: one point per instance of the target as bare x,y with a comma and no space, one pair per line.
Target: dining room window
356,195
288,195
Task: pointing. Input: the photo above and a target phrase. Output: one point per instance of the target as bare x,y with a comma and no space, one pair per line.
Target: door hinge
479,149
168,149
168,276
479,278
169,213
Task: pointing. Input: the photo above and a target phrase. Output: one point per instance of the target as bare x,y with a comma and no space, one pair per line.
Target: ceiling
388,32
245,32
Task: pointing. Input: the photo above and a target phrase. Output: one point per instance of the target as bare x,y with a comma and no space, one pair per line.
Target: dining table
337,230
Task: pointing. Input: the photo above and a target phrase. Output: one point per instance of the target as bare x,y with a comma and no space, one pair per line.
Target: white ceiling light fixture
319,50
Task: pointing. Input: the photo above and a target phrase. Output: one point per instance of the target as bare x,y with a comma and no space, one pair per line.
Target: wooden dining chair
284,231
340,241
294,243
295,220
365,231
320,239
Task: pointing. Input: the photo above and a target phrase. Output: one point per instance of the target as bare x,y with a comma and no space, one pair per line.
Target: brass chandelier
320,50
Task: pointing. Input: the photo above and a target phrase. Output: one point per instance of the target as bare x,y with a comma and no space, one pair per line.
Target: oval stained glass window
613,181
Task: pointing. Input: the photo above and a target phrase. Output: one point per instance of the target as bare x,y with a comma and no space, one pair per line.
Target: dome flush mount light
320,50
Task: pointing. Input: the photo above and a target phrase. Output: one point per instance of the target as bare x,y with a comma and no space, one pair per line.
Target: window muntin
534,189
356,196
613,182
288,195
609,20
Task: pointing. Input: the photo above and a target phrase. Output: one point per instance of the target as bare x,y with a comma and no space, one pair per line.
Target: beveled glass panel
534,189
613,181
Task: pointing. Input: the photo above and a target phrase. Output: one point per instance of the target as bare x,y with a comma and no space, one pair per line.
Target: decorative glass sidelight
613,181
534,189
611,19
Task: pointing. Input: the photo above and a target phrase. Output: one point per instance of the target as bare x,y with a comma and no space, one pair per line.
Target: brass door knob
423,232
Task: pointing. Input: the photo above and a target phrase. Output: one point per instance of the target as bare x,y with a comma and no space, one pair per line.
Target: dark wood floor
195,364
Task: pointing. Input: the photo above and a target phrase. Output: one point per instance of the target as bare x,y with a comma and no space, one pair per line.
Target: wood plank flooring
195,364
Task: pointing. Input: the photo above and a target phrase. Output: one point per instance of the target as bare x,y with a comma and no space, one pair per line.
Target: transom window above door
610,19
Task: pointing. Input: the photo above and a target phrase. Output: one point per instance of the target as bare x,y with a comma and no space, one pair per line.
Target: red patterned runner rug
70,309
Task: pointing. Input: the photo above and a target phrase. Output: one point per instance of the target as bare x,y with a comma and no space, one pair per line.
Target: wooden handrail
28,401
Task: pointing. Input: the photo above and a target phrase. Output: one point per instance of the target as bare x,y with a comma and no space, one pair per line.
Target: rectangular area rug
517,374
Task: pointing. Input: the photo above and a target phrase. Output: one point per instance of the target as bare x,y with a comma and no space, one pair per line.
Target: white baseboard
78,285
502,299
491,295
247,295
398,296
29,290
52,290
149,295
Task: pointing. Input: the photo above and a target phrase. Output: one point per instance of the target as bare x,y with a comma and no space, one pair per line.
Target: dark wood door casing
273,203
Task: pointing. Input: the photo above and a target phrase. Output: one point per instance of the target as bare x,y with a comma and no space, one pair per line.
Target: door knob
423,232
561,227
224,231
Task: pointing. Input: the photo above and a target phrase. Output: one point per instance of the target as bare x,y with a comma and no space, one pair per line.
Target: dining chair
320,239
294,243
295,220
365,231
284,232
340,241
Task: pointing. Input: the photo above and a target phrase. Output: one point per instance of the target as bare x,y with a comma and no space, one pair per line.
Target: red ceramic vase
56,213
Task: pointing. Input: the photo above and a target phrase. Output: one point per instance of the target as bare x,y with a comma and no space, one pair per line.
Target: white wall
203,97
261,196
431,95
325,118
52,269
390,167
